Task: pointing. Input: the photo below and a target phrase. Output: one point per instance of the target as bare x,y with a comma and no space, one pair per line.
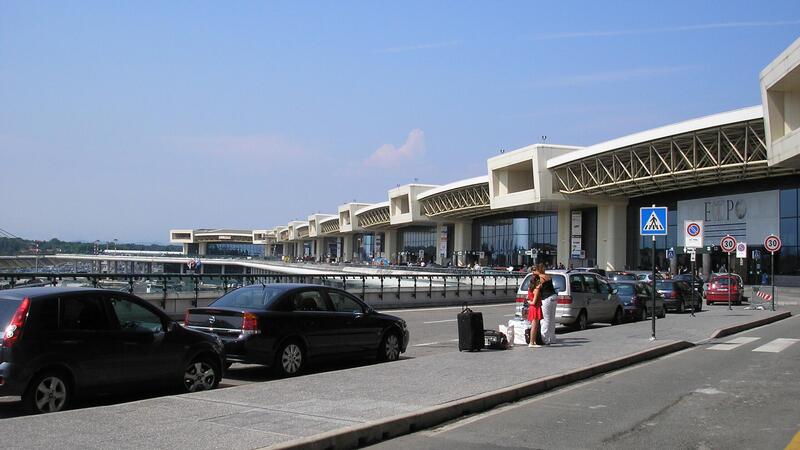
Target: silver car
583,298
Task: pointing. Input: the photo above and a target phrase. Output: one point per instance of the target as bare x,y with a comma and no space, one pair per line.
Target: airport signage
693,233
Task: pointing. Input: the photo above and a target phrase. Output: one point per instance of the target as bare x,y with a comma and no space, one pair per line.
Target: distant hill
19,246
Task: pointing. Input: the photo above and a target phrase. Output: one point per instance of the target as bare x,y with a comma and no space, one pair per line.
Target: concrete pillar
347,248
319,246
202,248
611,234
222,269
390,244
706,269
462,240
149,267
185,249
440,257
563,238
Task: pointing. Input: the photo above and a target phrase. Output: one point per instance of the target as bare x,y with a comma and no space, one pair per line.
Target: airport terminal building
738,171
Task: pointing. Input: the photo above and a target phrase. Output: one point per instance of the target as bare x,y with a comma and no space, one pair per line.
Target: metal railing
193,284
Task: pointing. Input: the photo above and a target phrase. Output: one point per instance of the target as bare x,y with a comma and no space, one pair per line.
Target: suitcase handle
464,308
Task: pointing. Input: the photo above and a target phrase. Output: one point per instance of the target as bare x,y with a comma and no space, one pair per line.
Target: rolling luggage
495,340
470,330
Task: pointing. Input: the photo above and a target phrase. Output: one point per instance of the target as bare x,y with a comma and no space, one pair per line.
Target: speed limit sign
772,243
728,244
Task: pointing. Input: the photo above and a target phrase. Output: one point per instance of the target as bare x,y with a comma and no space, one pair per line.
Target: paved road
736,392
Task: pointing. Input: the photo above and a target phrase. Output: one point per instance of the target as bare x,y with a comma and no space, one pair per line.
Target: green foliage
17,246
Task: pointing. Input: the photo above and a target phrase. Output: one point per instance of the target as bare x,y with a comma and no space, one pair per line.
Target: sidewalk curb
722,332
382,429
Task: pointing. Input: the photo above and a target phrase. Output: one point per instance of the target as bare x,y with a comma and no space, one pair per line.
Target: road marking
425,344
795,443
441,321
509,315
450,308
778,345
734,343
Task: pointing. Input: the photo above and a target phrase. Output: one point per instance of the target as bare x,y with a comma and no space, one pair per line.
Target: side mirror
614,291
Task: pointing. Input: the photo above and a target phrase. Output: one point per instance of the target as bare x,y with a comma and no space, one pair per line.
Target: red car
723,287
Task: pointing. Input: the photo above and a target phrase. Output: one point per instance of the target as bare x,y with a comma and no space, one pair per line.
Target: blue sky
123,121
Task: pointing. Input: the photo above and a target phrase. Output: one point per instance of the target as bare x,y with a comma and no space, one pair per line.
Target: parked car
596,270
636,298
583,298
284,326
723,287
678,296
60,343
643,275
695,281
618,275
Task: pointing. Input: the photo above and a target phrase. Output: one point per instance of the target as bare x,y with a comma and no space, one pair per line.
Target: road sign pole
653,311
772,276
691,286
729,281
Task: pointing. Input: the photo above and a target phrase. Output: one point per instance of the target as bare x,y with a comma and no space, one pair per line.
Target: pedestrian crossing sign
653,221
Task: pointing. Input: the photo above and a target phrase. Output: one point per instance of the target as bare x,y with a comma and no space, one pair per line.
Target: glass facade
414,240
368,246
234,249
504,241
787,258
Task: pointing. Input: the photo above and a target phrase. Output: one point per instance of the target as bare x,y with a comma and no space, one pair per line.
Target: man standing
549,301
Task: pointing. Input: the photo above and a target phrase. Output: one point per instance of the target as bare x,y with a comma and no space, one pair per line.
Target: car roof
43,291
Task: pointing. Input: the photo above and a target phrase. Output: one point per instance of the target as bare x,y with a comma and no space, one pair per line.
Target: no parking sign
693,233
741,250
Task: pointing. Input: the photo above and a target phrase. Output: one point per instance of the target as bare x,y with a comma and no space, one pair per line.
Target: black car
59,343
636,298
696,282
285,325
678,295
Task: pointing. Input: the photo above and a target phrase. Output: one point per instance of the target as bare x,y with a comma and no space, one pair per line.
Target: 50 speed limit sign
772,243
728,244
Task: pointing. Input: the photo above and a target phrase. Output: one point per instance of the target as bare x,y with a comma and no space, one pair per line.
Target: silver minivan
583,298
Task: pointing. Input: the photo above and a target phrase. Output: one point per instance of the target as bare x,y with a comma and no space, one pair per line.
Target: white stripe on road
734,343
446,308
433,343
778,345
441,321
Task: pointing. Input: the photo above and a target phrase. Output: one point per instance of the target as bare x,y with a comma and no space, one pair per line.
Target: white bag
509,332
519,326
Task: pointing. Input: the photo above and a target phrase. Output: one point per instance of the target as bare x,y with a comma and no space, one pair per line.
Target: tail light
14,328
521,299
673,294
250,324
186,318
564,300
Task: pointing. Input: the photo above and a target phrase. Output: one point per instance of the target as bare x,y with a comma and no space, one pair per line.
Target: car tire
643,315
201,374
290,359
389,349
617,317
581,323
681,307
50,391
663,313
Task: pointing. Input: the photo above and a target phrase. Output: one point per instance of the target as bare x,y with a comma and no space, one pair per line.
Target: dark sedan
636,298
60,342
678,295
286,325
696,282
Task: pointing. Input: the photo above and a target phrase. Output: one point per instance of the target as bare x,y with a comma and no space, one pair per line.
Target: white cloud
675,29
611,76
388,155
412,48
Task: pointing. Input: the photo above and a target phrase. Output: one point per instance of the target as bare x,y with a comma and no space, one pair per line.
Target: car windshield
250,297
7,309
721,281
663,285
624,276
559,282
643,276
624,288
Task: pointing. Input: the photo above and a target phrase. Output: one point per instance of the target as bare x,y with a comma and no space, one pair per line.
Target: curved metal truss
284,235
302,232
716,155
329,226
374,217
463,202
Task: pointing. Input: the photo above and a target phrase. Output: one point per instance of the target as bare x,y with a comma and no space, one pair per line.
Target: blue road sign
653,221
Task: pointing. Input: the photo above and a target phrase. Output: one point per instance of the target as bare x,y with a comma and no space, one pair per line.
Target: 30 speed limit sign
772,243
728,244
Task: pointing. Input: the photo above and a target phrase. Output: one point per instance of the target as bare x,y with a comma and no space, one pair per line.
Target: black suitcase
470,330
539,338
495,340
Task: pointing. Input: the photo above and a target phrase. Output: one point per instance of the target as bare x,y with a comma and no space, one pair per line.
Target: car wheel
643,314
663,313
49,392
698,307
291,359
390,347
682,307
617,317
200,375
581,323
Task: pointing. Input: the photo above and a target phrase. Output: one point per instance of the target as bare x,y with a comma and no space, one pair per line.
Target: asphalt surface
740,391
